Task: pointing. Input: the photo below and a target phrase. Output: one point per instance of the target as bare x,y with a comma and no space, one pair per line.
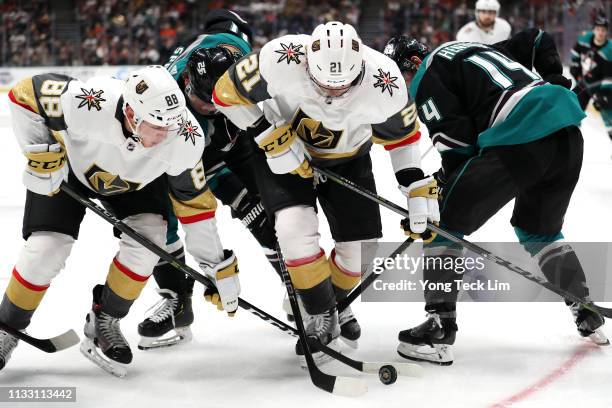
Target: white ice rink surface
525,354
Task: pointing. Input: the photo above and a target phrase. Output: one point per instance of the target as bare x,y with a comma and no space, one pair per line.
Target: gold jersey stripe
385,142
227,93
311,274
341,279
203,203
23,297
23,92
123,286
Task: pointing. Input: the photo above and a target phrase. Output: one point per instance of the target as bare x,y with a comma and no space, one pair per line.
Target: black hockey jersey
472,96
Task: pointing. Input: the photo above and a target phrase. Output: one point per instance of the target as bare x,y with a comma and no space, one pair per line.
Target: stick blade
403,369
65,340
349,387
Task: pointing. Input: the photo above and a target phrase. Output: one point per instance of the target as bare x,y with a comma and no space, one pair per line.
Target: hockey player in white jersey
127,143
488,27
325,98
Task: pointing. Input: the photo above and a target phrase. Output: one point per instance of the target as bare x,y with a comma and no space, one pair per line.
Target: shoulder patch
385,81
290,53
189,131
90,98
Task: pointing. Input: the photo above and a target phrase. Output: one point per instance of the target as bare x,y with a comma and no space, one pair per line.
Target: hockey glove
225,276
46,168
422,206
285,151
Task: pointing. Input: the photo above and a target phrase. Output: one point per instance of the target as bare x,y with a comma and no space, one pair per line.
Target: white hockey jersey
87,119
471,32
275,82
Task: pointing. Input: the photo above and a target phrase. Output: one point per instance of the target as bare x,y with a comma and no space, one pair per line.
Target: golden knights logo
91,99
385,81
314,133
290,53
189,131
106,183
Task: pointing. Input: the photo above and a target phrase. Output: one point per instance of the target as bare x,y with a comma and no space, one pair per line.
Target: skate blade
403,369
440,354
90,351
319,357
182,335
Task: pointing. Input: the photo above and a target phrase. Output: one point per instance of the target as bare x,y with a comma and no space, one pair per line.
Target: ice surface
503,350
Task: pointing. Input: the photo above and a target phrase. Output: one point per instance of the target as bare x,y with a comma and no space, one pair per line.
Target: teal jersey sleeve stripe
542,111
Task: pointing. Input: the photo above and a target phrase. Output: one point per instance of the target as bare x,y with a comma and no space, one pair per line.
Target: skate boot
102,332
173,312
350,331
430,341
8,342
323,327
589,323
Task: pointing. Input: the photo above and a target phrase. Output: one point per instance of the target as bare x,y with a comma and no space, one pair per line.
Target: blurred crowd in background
118,32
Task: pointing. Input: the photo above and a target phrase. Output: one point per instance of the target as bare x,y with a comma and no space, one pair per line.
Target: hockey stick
367,367
335,385
365,283
427,152
467,244
57,343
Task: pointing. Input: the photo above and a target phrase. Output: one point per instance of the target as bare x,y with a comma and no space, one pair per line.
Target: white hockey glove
285,151
225,277
46,168
422,206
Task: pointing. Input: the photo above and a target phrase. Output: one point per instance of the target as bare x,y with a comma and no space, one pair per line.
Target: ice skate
325,328
173,314
430,341
350,331
8,342
102,333
588,324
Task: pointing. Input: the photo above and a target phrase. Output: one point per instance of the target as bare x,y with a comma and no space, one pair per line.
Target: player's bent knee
133,255
297,230
43,256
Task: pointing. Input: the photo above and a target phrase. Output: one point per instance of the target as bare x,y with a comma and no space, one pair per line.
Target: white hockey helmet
335,54
154,96
487,5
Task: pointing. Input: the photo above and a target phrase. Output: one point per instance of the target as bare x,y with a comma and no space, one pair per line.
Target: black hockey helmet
204,68
601,21
405,51
225,21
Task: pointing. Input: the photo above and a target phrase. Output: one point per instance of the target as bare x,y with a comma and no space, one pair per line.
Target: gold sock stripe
24,295
309,275
123,282
343,279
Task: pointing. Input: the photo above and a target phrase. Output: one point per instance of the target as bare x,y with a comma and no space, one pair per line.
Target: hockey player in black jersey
504,132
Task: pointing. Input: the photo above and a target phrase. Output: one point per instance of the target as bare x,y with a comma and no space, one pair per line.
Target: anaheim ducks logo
106,183
314,133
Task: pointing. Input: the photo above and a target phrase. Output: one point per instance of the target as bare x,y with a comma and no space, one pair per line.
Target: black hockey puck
387,374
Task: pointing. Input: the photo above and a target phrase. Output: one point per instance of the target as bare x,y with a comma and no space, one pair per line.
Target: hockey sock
311,277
